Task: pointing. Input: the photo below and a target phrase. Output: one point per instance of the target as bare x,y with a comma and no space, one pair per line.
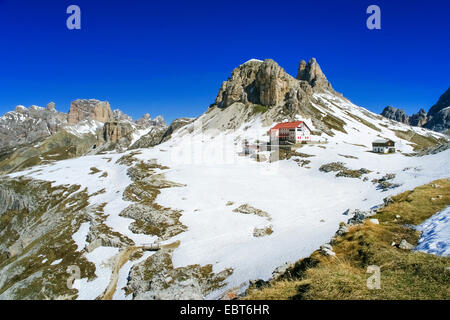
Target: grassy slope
404,274
60,146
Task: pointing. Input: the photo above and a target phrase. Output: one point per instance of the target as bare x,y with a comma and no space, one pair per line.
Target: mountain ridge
437,118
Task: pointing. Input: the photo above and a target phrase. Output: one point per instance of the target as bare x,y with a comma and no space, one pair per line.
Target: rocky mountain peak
146,121
266,83
50,107
20,109
89,109
312,73
443,102
395,114
418,119
439,114
118,115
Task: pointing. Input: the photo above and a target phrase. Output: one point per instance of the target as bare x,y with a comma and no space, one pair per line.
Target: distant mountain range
437,118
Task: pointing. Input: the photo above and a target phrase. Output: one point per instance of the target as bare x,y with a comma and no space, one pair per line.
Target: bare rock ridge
36,135
395,114
439,114
418,119
146,121
25,125
437,118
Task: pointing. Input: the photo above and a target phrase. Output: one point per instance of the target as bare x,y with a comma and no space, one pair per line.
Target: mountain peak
89,109
312,73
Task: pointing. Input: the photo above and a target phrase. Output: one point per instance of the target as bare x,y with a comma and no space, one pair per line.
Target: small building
383,146
290,132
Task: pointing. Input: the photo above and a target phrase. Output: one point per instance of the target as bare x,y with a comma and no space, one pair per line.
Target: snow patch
435,238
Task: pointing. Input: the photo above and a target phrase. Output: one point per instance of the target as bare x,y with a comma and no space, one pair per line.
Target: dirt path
123,257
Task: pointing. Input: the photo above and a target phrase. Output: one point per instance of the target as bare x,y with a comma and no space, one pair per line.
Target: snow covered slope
435,237
239,219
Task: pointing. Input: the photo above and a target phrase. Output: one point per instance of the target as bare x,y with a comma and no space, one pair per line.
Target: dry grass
420,141
404,274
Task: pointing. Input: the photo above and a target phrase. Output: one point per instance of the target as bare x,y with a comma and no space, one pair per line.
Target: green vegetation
404,274
259,109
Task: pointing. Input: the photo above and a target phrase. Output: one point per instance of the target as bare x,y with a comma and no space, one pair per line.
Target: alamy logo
374,20
74,20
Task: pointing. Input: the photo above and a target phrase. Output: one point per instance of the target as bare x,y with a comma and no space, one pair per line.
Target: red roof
287,125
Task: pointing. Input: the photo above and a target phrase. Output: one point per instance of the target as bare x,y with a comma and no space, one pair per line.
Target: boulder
405,245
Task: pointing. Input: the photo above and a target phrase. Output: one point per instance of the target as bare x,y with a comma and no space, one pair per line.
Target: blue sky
170,57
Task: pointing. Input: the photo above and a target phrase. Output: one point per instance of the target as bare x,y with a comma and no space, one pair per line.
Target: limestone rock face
90,109
418,119
118,115
272,83
440,121
439,114
267,84
240,87
443,102
395,114
312,73
114,131
174,126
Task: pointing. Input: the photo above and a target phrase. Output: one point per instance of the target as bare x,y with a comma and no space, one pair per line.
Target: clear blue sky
170,57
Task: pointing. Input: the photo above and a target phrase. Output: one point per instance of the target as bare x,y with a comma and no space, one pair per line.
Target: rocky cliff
439,114
395,114
418,119
90,109
265,83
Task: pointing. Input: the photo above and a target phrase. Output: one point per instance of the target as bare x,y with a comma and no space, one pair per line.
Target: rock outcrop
118,115
114,131
160,132
146,121
91,109
395,114
174,126
418,119
151,139
265,83
312,73
272,83
24,126
439,114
